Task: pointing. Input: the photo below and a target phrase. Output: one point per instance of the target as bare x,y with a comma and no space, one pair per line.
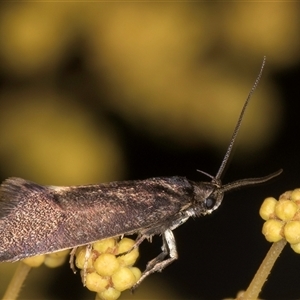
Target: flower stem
264,270
16,282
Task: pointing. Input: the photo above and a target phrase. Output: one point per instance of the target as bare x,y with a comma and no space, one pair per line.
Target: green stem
16,282
264,270
97,297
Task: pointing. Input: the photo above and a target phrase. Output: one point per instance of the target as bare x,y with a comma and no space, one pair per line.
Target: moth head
208,197
214,200
210,194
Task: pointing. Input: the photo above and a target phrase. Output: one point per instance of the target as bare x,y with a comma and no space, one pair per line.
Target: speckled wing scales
37,219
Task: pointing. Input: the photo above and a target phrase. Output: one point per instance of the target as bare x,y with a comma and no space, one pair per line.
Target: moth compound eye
210,202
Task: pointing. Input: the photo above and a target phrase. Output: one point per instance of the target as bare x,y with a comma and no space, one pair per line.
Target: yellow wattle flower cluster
106,273
282,218
51,260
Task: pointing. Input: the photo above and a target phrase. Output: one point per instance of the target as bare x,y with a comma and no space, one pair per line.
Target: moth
36,219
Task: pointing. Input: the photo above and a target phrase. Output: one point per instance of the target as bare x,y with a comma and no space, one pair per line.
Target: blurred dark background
96,92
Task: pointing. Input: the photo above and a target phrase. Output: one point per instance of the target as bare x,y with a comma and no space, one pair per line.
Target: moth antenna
248,181
238,125
208,175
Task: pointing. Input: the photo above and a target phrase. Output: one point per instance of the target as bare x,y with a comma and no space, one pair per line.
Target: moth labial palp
36,219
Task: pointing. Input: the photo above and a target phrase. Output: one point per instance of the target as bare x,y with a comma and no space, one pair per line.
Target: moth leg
138,241
88,253
72,259
159,263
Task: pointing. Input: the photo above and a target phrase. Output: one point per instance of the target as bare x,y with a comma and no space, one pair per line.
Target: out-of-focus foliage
179,71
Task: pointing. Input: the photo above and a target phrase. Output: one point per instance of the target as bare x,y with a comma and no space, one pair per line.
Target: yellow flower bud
267,208
109,294
292,232
54,262
34,261
125,245
80,259
272,230
106,264
296,247
285,209
286,195
295,196
123,279
130,258
137,272
62,253
96,283
105,245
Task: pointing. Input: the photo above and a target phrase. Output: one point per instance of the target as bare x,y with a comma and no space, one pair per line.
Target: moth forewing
38,219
